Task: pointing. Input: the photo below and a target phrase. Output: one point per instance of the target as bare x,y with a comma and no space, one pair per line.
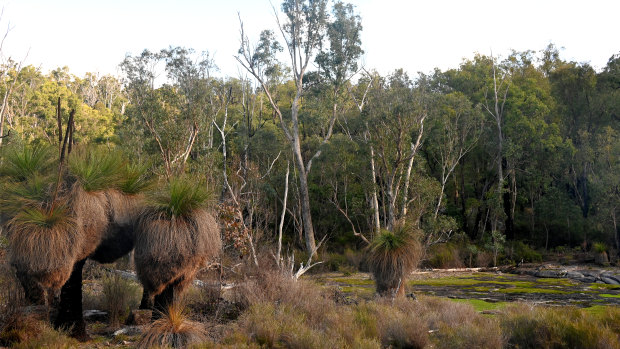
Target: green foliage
24,162
519,251
32,192
135,178
559,155
43,217
179,197
599,247
445,256
96,169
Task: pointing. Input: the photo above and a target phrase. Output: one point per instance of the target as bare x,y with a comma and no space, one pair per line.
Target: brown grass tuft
174,330
172,250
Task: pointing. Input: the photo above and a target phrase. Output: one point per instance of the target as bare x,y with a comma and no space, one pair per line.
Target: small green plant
496,244
472,251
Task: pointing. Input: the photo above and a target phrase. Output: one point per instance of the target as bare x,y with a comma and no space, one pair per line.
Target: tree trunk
306,215
70,307
279,253
616,232
375,201
391,204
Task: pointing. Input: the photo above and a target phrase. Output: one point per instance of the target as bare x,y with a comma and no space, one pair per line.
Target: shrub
599,247
355,259
445,256
484,259
522,252
537,327
334,261
120,296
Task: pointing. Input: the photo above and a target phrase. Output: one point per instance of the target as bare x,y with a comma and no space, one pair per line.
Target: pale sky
94,36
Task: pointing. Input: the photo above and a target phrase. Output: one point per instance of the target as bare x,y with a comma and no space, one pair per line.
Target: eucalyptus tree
396,114
309,33
174,113
456,128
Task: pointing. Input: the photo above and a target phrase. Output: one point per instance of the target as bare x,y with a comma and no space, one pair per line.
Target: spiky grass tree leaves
26,176
135,178
96,169
35,191
391,256
23,162
179,198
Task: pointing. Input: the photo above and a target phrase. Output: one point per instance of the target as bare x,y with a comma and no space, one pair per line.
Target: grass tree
41,238
391,256
175,237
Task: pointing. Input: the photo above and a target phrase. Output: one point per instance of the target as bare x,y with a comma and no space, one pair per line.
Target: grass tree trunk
70,307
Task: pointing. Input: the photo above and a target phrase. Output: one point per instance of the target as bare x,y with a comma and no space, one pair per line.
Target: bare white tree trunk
281,226
414,150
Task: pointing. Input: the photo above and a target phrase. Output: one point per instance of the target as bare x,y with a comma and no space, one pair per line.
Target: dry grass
174,330
284,313
568,327
119,296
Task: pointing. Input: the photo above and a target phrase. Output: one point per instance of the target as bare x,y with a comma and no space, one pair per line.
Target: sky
418,36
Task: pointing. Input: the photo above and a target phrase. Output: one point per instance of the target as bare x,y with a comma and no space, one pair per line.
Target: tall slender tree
304,33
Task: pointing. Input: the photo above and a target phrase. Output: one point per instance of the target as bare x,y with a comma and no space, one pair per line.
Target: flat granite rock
609,281
574,275
95,315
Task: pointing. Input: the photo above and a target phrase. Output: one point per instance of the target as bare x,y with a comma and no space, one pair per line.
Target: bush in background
120,296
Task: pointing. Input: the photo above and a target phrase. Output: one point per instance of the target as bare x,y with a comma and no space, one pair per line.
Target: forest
499,161
520,149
